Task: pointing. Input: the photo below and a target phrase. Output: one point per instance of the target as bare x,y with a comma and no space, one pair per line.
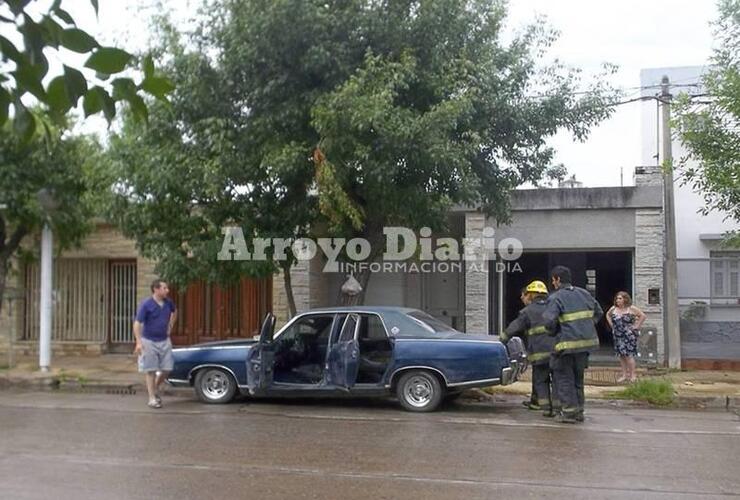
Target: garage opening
604,273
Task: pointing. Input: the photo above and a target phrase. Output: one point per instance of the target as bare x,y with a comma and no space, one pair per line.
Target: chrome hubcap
215,384
418,392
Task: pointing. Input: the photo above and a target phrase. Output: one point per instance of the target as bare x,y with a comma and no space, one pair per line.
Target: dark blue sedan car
356,351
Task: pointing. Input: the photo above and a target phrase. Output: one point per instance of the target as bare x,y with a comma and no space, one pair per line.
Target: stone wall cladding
279,299
476,280
310,289
649,176
649,269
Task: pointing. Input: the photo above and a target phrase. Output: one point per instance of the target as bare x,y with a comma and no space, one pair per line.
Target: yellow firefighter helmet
536,286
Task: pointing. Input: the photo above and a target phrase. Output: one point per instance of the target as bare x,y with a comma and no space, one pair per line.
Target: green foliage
26,66
711,131
297,117
417,105
656,391
179,180
53,160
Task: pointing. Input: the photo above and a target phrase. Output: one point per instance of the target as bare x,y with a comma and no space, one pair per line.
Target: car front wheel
419,390
215,385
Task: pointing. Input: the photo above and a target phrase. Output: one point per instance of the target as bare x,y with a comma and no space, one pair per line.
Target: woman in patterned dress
625,321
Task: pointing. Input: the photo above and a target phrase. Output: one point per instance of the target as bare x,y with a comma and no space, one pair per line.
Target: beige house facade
612,239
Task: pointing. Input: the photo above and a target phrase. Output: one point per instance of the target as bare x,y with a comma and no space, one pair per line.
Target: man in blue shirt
152,327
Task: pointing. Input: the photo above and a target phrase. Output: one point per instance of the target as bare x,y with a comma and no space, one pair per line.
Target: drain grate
98,389
601,376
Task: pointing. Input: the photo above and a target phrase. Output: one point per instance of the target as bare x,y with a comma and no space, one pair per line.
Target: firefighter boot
566,417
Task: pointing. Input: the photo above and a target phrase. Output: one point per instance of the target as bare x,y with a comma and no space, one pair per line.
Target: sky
633,34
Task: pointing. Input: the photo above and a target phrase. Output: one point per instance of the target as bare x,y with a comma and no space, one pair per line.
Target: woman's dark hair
625,296
563,273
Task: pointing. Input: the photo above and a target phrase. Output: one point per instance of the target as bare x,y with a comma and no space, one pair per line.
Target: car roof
379,309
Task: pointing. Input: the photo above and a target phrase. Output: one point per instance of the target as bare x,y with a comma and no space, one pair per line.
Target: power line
622,89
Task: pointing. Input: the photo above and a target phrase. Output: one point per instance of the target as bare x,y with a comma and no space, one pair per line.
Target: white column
45,302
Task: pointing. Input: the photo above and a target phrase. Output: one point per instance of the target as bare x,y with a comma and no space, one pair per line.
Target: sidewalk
118,373
114,371
693,388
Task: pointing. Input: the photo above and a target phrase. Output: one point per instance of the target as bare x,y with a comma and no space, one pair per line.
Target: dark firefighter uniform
570,316
531,325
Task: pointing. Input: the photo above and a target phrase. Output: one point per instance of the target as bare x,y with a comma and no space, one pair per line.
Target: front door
344,357
261,358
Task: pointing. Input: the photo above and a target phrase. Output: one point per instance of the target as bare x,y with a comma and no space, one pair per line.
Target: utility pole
670,271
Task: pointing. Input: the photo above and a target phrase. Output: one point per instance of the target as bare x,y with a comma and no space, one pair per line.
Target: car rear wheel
215,386
419,390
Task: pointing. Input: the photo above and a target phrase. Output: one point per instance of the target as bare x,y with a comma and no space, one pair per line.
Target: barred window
725,277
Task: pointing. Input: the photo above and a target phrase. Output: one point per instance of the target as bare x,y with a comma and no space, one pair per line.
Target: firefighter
529,324
531,403
571,315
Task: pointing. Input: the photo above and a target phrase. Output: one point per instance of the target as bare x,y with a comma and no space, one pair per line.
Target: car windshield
431,323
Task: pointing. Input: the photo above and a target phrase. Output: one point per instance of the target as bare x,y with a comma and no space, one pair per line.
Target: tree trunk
7,250
363,277
288,287
3,277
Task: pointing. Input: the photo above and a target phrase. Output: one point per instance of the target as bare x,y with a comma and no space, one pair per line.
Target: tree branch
2,233
13,243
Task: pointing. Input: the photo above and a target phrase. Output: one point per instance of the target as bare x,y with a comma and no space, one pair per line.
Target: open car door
261,357
344,357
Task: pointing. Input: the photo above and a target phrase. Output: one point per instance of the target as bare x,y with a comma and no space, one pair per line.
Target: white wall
689,223
693,276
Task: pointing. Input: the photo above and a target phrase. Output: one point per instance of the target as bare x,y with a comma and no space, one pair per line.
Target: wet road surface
79,446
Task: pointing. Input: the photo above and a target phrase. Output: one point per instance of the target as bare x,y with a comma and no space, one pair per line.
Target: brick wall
12,310
105,242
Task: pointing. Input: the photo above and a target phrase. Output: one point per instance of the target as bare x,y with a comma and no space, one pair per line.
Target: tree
344,116
711,130
409,107
180,179
58,162
25,68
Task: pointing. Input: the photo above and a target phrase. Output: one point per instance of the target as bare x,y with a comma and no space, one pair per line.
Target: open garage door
604,273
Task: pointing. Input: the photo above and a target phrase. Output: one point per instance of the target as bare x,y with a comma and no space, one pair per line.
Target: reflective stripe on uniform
573,316
536,356
576,344
537,330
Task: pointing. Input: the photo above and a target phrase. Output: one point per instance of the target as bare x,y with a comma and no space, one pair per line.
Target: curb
53,383
729,403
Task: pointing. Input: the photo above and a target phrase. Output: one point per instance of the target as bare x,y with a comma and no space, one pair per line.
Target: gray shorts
156,356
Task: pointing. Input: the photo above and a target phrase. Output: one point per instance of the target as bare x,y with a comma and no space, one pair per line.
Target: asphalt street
97,446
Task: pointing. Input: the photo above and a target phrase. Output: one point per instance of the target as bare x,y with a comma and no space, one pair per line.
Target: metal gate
80,297
122,301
